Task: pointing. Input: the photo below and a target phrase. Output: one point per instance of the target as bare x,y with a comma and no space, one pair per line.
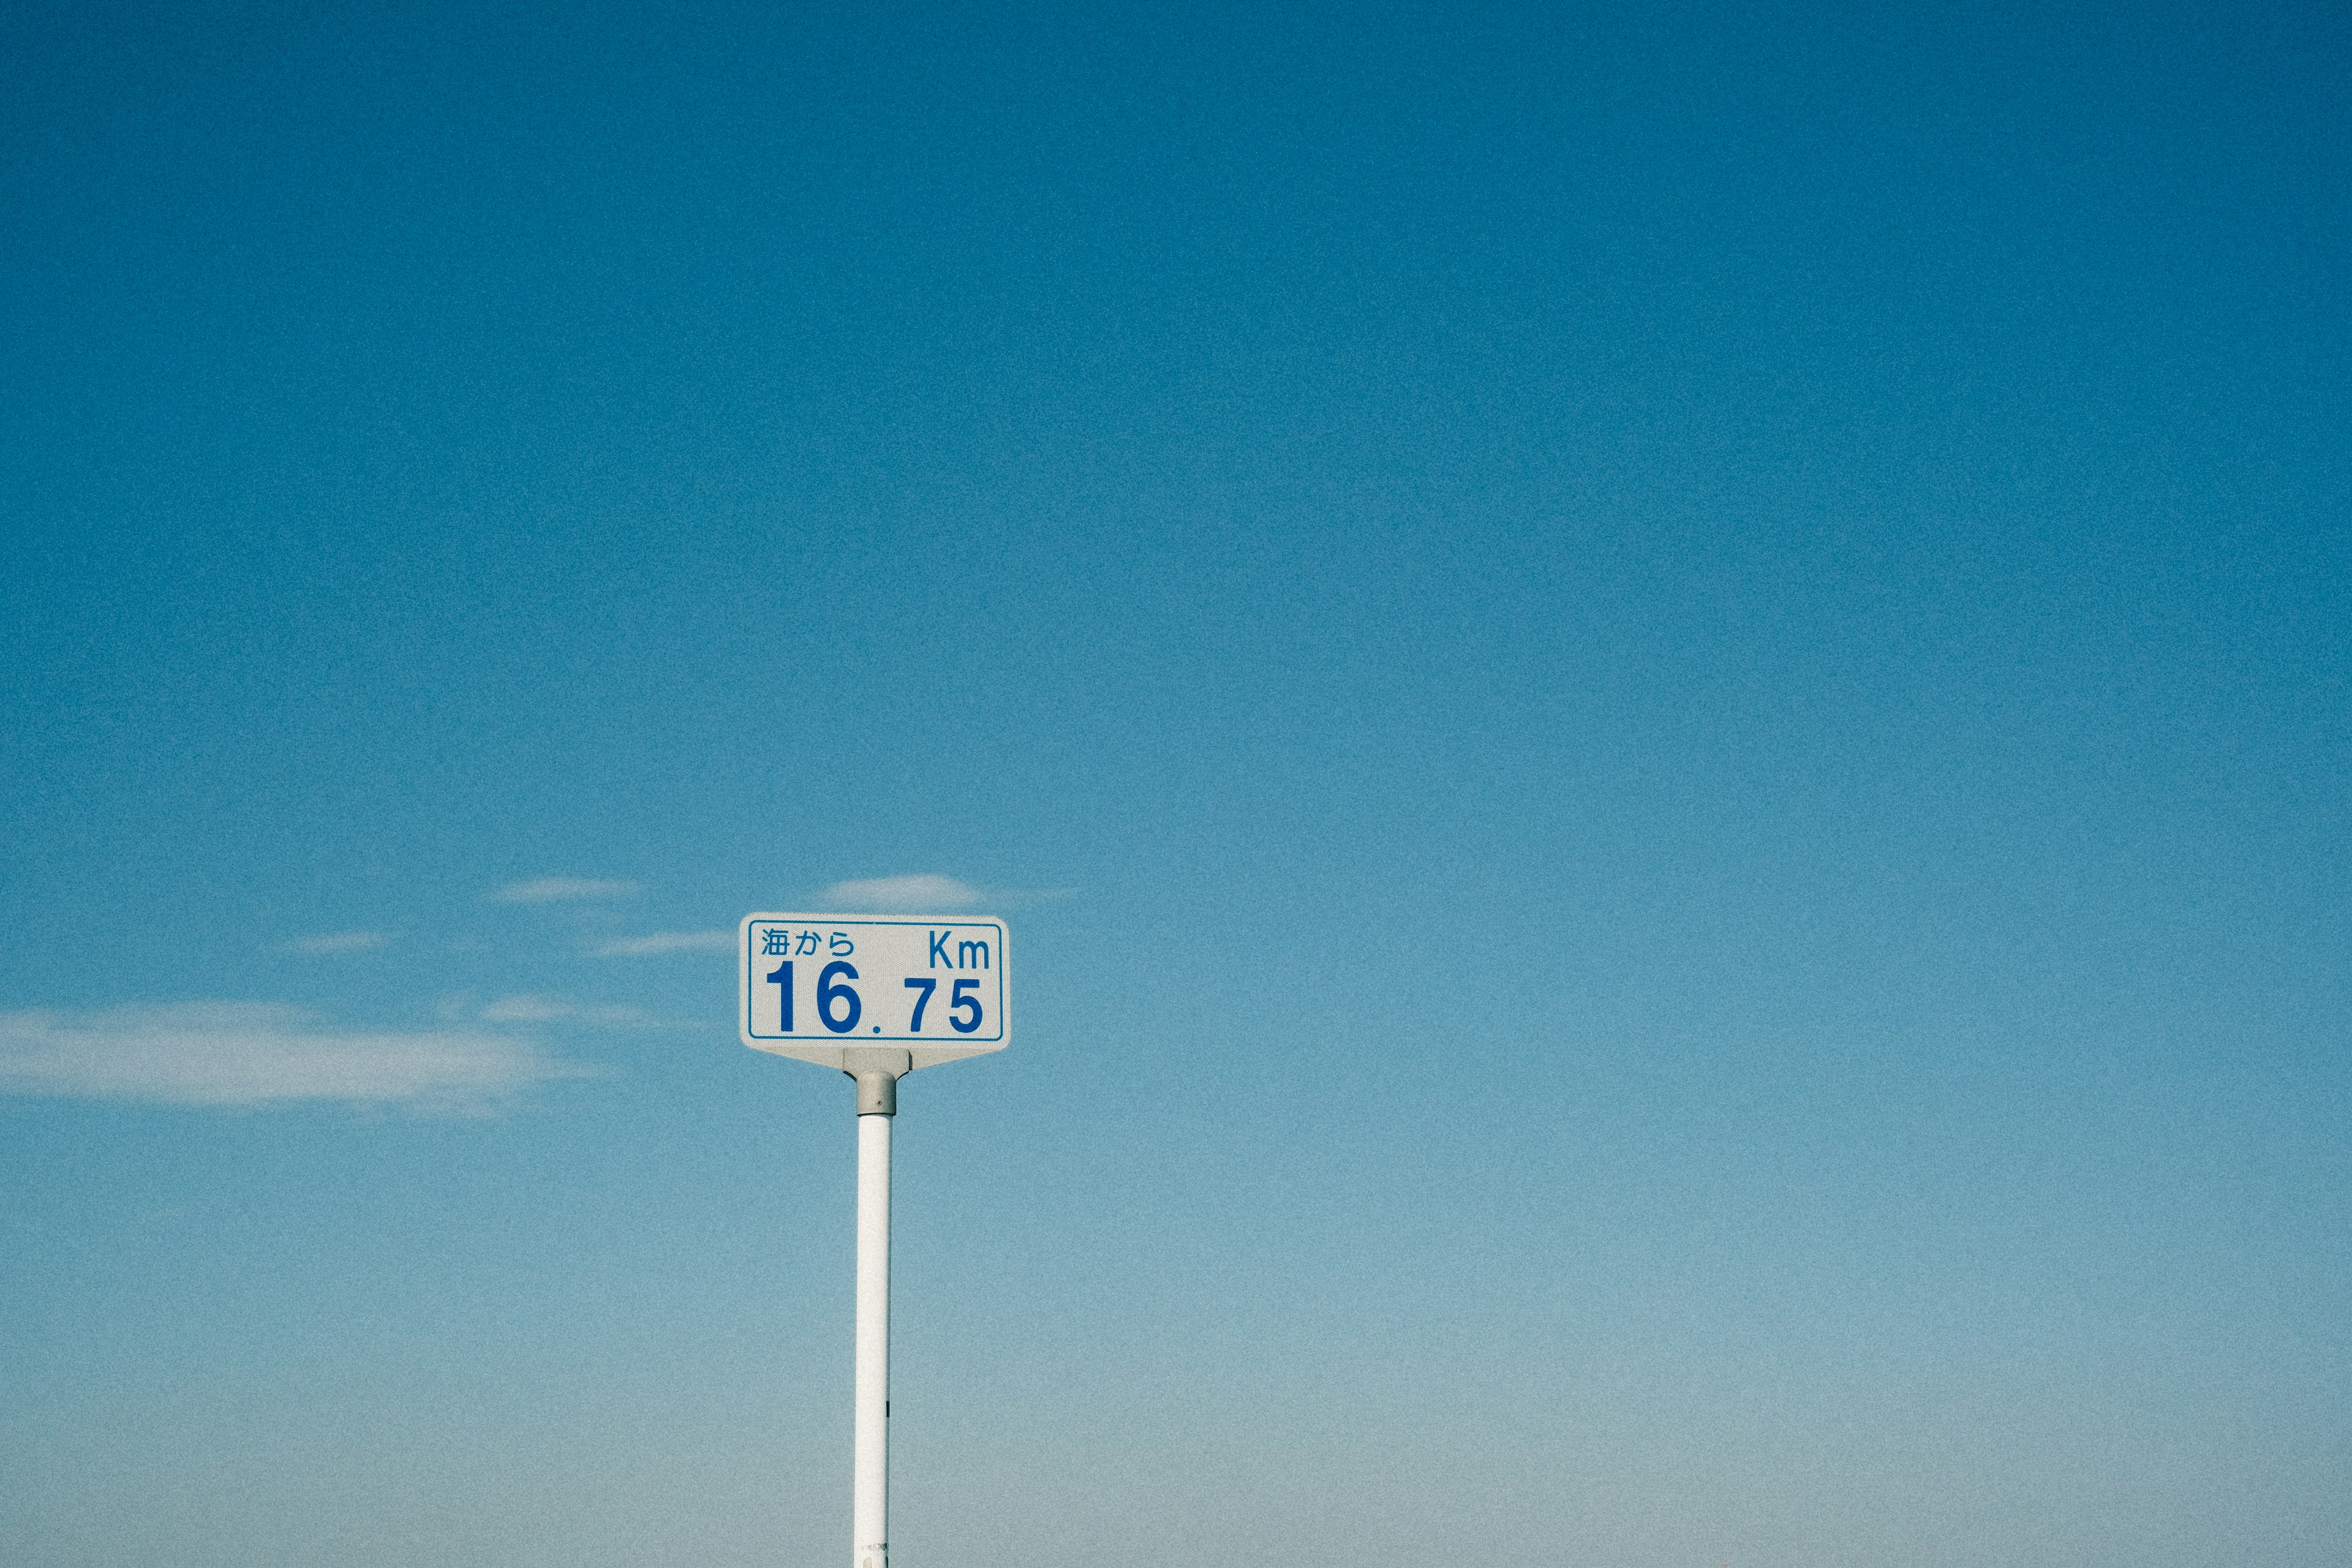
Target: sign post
875,997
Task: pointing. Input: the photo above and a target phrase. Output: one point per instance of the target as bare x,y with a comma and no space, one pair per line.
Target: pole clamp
878,1070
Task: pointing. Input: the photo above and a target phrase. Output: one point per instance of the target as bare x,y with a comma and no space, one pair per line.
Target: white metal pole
869,1509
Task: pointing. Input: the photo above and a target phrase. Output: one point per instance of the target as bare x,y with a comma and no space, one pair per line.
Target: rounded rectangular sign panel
816,986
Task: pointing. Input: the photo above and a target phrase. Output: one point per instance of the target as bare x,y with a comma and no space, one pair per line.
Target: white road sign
815,985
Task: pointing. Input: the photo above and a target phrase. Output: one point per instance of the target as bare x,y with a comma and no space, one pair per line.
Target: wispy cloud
556,890
262,1053
663,941
336,941
924,891
929,891
531,1008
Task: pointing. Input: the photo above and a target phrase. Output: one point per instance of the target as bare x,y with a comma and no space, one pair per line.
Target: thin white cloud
531,1009
663,941
924,891
336,941
261,1053
526,1010
557,890
929,891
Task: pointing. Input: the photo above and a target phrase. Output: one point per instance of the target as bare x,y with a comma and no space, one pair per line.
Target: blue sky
1658,696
